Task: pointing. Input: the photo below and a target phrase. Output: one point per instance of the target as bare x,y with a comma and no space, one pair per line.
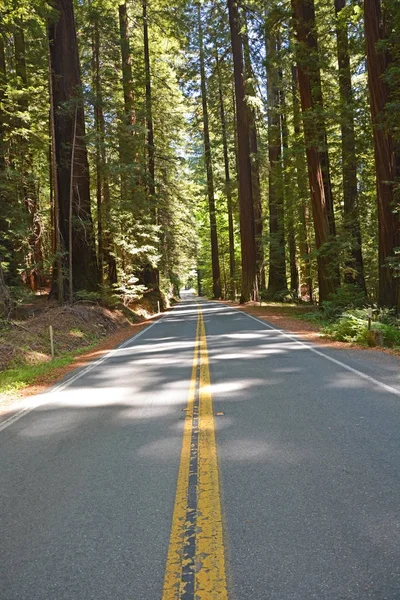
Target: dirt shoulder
43,382
82,333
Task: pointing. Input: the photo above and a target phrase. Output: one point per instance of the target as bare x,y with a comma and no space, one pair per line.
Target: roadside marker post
51,341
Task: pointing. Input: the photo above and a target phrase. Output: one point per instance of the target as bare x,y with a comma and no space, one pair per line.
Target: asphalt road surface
211,458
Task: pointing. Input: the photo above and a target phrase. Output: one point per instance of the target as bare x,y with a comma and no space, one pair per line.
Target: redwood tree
207,156
247,233
104,236
228,181
354,268
277,263
387,157
309,79
69,133
255,162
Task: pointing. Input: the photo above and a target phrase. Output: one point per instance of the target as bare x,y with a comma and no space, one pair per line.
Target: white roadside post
51,341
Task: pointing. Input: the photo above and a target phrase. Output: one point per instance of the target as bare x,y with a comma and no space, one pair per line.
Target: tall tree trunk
151,275
306,284
386,160
149,114
28,188
316,145
67,104
247,232
3,81
354,271
255,164
127,138
287,186
210,180
57,246
277,262
127,77
104,236
98,101
5,245
228,182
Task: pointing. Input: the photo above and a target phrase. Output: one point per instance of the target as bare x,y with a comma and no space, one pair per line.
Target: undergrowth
346,317
21,375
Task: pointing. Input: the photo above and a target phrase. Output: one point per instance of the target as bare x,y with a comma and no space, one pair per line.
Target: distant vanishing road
210,458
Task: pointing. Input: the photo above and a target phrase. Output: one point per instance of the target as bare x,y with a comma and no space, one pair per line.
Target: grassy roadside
14,379
26,380
81,331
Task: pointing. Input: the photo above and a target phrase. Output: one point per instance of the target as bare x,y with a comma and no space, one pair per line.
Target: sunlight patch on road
244,336
276,452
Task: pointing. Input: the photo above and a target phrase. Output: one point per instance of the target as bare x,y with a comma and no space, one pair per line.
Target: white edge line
42,398
386,387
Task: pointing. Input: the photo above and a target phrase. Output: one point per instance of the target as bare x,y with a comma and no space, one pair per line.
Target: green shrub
391,334
348,328
346,297
352,326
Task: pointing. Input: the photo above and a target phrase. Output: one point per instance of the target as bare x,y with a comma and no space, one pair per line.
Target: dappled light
282,417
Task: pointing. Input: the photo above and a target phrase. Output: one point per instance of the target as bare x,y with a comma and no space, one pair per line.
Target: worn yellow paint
173,570
210,577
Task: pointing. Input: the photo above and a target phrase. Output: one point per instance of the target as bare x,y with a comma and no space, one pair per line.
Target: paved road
101,483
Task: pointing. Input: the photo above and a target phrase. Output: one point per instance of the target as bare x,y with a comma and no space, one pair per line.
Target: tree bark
3,82
255,165
208,162
127,137
149,113
277,281
354,268
228,182
151,274
386,158
97,109
287,187
127,77
57,246
306,284
104,237
28,187
309,79
247,232
67,102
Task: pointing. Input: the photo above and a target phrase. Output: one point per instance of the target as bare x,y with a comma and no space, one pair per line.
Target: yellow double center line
196,563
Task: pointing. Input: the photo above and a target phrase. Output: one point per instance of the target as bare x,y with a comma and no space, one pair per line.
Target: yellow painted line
211,577
173,570
198,448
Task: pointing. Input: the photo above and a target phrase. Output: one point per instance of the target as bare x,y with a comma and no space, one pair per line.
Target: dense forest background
248,148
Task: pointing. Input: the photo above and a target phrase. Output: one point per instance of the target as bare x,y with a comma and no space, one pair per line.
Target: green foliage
347,297
170,231
20,376
349,327
128,290
352,326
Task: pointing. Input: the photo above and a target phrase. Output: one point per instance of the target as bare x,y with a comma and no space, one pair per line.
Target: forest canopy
251,149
